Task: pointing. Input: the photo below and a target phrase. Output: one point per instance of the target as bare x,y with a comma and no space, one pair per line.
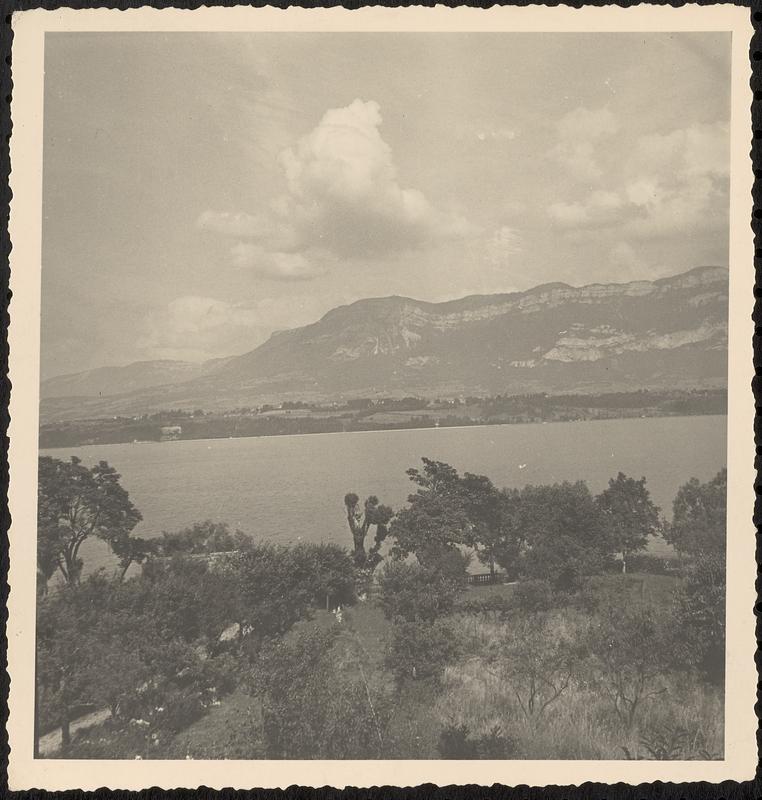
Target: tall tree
434,525
628,514
360,522
492,515
75,503
565,536
699,516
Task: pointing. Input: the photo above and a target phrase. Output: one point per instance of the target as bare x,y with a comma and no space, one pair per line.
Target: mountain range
667,333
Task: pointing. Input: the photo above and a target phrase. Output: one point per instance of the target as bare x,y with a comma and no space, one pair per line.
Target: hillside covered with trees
575,645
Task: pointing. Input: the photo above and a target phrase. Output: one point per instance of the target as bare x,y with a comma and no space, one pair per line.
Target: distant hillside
646,334
105,381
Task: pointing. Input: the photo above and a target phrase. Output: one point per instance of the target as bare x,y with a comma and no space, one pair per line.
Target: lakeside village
369,414
574,644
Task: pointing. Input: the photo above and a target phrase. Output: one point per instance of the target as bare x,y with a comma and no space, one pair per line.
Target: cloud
600,208
496,134
274,265
343,198
579,133
669,184
629,261
236,223
197,328
504,243
344,194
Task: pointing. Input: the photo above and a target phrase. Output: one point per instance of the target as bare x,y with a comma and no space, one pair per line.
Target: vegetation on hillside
224,647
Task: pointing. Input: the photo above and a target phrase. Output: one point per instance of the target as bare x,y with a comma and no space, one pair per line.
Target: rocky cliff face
552,337
666,333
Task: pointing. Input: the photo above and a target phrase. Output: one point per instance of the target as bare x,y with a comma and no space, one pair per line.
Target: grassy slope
580,725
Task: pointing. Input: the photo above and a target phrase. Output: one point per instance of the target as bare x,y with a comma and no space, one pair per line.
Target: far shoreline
376,430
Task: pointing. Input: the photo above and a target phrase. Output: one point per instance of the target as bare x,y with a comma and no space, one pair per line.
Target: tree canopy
629,514
699,516
75,503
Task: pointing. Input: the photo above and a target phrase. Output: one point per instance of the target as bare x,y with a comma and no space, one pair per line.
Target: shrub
412,592
630,647
455,742
312,706
422,650
536,595
699,618
536,663
328,571
650,564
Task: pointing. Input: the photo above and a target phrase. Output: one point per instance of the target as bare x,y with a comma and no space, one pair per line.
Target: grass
580,724
227,731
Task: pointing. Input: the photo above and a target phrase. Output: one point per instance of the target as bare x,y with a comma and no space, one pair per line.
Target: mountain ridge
550,337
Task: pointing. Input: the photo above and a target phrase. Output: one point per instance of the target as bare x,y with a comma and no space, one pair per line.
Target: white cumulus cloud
196,328
273,264
578,135
669,184
344,192
343,198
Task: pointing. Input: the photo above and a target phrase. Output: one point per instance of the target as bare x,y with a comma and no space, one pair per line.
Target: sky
203,190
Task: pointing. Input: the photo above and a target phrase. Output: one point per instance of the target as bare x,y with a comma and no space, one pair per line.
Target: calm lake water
290,488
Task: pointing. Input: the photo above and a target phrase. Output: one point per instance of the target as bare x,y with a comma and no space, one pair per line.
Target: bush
328,571
536,595
312,706
630,646
412,592
455,742
699,619
496,606
650,564
422,650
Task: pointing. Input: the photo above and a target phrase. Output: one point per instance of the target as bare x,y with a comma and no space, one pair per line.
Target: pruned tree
75,503
373,513
629,514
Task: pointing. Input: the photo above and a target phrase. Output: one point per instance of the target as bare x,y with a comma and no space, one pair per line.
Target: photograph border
24,336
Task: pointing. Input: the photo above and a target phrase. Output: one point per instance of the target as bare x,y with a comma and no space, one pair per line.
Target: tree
699,516
203,538
138,648
434,525
268,590
75,503
360,522
66,638
628,514
415,593
699,619
327,571
421,650
536,662
492,514
630,645
314,703
564,532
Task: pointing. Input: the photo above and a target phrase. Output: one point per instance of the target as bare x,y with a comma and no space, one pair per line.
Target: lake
290,488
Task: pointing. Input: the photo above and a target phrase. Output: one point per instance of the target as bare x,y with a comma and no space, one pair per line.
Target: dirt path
50,743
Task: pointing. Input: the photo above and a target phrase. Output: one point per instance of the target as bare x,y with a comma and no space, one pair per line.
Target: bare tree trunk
65,732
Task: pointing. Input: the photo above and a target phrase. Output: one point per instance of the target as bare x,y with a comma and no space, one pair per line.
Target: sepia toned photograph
382,396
